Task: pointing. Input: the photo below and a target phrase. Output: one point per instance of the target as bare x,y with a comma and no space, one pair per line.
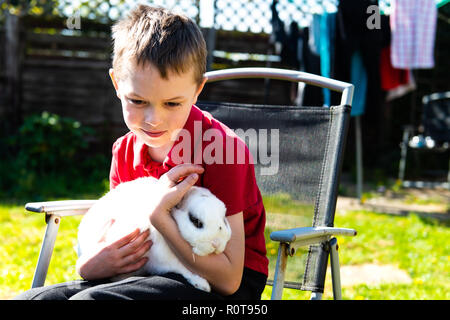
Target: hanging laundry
391,77
353,35
326,49
396,82
358,76
403,89
288,41
313,95
413,27
291,41
297,54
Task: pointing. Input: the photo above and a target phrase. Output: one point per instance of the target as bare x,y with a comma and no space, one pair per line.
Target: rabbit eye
196,222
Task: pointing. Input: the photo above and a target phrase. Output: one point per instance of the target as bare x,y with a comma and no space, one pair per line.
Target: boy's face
153,107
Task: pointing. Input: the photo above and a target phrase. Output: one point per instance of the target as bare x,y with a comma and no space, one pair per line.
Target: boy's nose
152,117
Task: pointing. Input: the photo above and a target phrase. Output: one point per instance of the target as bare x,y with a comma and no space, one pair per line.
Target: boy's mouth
154,134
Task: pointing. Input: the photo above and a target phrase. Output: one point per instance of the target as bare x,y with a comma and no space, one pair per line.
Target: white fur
131,203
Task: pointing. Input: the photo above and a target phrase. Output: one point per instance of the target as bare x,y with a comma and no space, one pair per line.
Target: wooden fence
41,68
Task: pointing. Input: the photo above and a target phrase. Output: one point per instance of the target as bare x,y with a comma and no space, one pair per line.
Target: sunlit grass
21,235
419,246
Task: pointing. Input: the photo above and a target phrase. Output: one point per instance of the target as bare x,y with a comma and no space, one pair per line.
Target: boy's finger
135,244
136,255
186,184
135,266
182,170
126,239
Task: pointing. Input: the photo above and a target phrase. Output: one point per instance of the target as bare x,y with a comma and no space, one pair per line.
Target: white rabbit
200,217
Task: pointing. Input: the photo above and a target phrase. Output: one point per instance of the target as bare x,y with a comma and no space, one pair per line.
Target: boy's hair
165,39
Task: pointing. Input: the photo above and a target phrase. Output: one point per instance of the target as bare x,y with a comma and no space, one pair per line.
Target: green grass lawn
420,247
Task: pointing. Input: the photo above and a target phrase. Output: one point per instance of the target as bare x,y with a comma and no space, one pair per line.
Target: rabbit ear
202,192
199,192
191,192
181,204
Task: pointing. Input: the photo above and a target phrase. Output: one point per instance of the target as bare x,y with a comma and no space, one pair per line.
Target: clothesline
330,6
340,45
385,5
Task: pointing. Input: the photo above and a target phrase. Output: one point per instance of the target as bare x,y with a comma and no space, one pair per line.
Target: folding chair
306,144
432,135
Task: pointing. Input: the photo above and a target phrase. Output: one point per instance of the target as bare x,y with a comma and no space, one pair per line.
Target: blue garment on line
326,25
326,49
358,77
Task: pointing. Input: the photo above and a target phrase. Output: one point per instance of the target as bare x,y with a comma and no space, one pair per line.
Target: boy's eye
173,104
136,101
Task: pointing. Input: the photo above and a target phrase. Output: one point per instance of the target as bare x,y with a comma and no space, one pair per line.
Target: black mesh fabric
436,119
310,143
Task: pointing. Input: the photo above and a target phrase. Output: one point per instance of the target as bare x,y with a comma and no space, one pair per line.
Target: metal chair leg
280,269
448,175
46,251
404,151
359,159
335,269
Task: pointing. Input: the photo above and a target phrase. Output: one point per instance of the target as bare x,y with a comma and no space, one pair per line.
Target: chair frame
289,240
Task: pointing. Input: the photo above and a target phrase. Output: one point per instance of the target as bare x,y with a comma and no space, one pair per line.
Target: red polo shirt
229,173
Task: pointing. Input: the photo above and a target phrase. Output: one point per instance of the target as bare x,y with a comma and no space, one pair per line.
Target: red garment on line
391,77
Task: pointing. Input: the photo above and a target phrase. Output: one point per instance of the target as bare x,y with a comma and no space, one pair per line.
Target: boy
158,66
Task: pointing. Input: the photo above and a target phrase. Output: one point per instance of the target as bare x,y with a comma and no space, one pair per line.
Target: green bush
46,158
50,143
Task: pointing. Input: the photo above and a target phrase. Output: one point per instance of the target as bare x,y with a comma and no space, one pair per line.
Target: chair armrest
61,208
309,233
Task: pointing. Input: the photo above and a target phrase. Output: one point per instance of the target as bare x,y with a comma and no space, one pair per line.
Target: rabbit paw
199,283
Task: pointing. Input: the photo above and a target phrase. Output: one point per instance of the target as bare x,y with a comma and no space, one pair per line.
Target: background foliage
45,159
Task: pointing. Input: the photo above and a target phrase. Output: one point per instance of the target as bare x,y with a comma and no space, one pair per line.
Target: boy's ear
200,88
114,82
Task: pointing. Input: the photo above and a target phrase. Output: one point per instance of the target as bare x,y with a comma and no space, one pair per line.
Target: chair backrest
436,116
298,152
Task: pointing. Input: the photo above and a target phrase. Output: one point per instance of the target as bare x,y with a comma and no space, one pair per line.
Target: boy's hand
122,256
172,189
126,254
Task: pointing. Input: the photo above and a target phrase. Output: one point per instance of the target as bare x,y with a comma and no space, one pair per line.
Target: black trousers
170,286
